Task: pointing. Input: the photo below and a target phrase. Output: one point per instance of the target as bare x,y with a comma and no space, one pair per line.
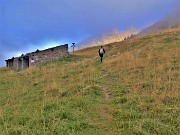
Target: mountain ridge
107,37
171,21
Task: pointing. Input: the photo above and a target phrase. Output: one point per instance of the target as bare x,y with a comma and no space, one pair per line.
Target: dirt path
107,93
105,85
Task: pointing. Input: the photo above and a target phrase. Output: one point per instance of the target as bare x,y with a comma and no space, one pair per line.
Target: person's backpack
101,51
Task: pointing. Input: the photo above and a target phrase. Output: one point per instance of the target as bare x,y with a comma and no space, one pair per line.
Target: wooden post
73,45
22,65
7,65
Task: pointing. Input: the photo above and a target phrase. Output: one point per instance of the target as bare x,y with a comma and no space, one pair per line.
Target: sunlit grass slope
135,91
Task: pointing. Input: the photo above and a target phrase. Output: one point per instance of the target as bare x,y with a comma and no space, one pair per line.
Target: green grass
135,91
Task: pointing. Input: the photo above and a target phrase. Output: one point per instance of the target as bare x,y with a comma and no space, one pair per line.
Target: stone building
33,58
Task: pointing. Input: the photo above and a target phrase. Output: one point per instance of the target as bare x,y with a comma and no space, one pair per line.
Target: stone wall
37,57
47,55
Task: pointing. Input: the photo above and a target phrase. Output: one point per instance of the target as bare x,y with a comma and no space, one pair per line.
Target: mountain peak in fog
172,20
110,36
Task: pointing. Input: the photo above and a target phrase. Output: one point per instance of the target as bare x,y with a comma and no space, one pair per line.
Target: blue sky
27,25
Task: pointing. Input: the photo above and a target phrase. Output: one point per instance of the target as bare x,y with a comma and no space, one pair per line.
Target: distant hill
171,21
107,37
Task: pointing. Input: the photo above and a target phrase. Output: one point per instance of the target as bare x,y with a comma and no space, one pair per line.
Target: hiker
101,52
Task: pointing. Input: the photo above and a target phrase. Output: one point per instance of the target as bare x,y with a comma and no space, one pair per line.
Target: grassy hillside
135,91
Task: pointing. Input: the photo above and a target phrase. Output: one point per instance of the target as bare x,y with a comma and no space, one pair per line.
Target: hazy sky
27,25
